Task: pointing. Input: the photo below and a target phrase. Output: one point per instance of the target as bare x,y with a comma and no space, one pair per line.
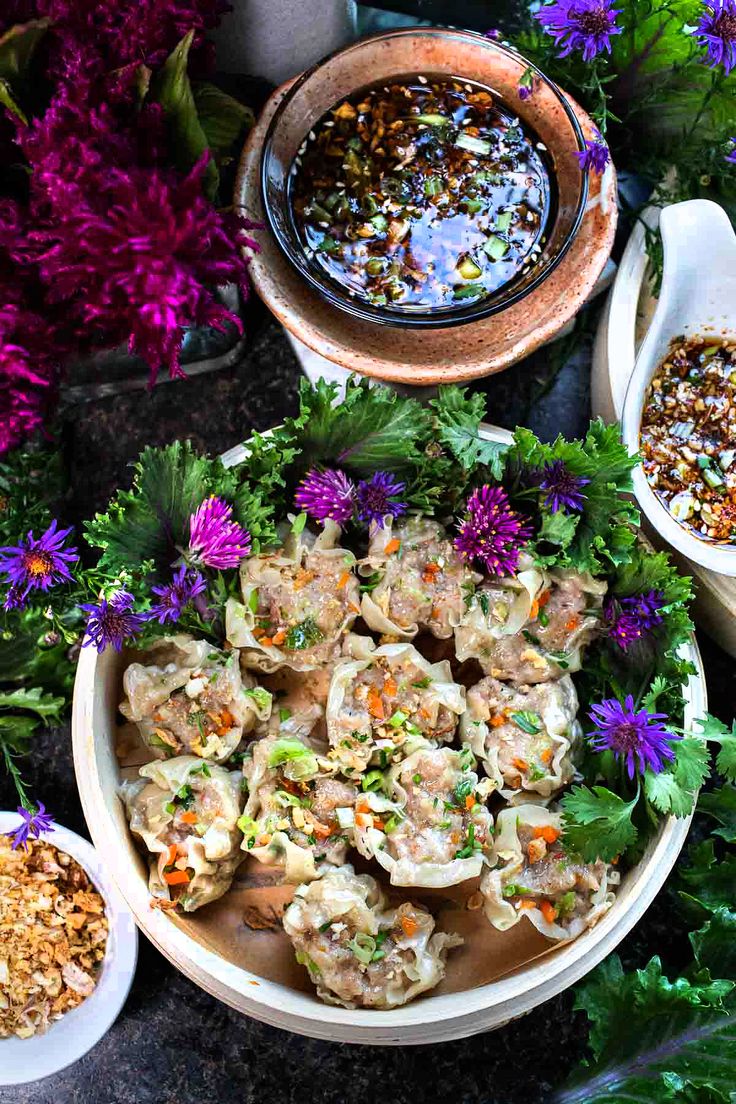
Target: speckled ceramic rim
326,288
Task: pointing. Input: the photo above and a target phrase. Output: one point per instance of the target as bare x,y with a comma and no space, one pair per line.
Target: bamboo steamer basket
236,950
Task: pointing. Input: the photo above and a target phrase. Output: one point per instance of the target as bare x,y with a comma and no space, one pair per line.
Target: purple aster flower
631,619
585,25
716,29
731,156
185,585
375,498
595,156
326,494
563,490
494,34
111,621
493,533
526,84
215,540
36,564
635,735
33,822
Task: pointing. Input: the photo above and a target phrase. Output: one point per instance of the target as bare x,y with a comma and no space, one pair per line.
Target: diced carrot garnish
498,719
520,764
548,911
302,578
375,704
393,546
546,755
470,801
189,817
534,610
572,623
266,641
363,820
525,904
409,926
379,825
177,877
321,830
258,632
430,573
343,580
544,598
279,637
436,613
547,833
171,857
389,687
455,837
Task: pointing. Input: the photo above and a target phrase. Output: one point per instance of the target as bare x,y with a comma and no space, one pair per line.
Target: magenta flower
376,498
526,84
493,533
631,619
33,823
215,540
585,25
36,564
716,29
595,156
563,490
636,736
326,494
111,621
185,585
27,376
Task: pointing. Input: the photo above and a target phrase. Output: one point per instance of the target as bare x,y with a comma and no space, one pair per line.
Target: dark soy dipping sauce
425,193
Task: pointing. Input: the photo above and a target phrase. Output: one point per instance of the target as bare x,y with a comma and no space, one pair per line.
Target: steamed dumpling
443,833
421,580
359,953
192,699
536,878
526,736
186,813
298,602
385,701
562,616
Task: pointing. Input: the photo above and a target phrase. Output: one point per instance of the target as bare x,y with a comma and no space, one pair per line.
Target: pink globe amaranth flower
585,25
328,494
634,735
493,533
716,30
33,822
215,540
37,564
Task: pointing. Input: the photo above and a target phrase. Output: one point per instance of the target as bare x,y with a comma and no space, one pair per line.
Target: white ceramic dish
69,1039
695,299
435,1018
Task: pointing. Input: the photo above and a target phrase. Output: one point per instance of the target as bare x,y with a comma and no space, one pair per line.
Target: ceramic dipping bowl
495,332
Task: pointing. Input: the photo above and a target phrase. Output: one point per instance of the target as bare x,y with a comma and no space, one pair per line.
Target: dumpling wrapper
311,580
422,848
554,880
337,925
423,579
174,700
519,762
498,608
412,715
209,848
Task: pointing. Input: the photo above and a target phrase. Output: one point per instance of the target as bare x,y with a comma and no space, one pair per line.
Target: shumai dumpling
193,699
443,833
531,628
359,953
298,815
421,581
298,602
526,736
385,700
535,877
186,813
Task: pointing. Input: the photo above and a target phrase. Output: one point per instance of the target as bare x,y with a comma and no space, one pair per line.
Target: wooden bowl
236,950
449,354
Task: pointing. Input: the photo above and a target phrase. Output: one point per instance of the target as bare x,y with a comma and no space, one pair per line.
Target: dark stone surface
173,1044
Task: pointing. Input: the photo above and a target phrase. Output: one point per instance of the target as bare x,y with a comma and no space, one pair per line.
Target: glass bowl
435,51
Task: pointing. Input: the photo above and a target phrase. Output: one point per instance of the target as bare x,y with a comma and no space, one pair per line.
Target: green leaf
46,706
558,528
650,1036
16,731
721,805
172,89
7,100
719,733
714,945
17,47
597,823
458,417
673,790
224,120
708,883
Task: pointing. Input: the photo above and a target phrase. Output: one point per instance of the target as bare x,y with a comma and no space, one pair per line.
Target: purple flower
716,29
526,84
185,585
215,540
33,822
326,494
111,622
630,619
494,34
563,490
595,156
36,564
637,736
375,498
585,25
731,155
493,533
